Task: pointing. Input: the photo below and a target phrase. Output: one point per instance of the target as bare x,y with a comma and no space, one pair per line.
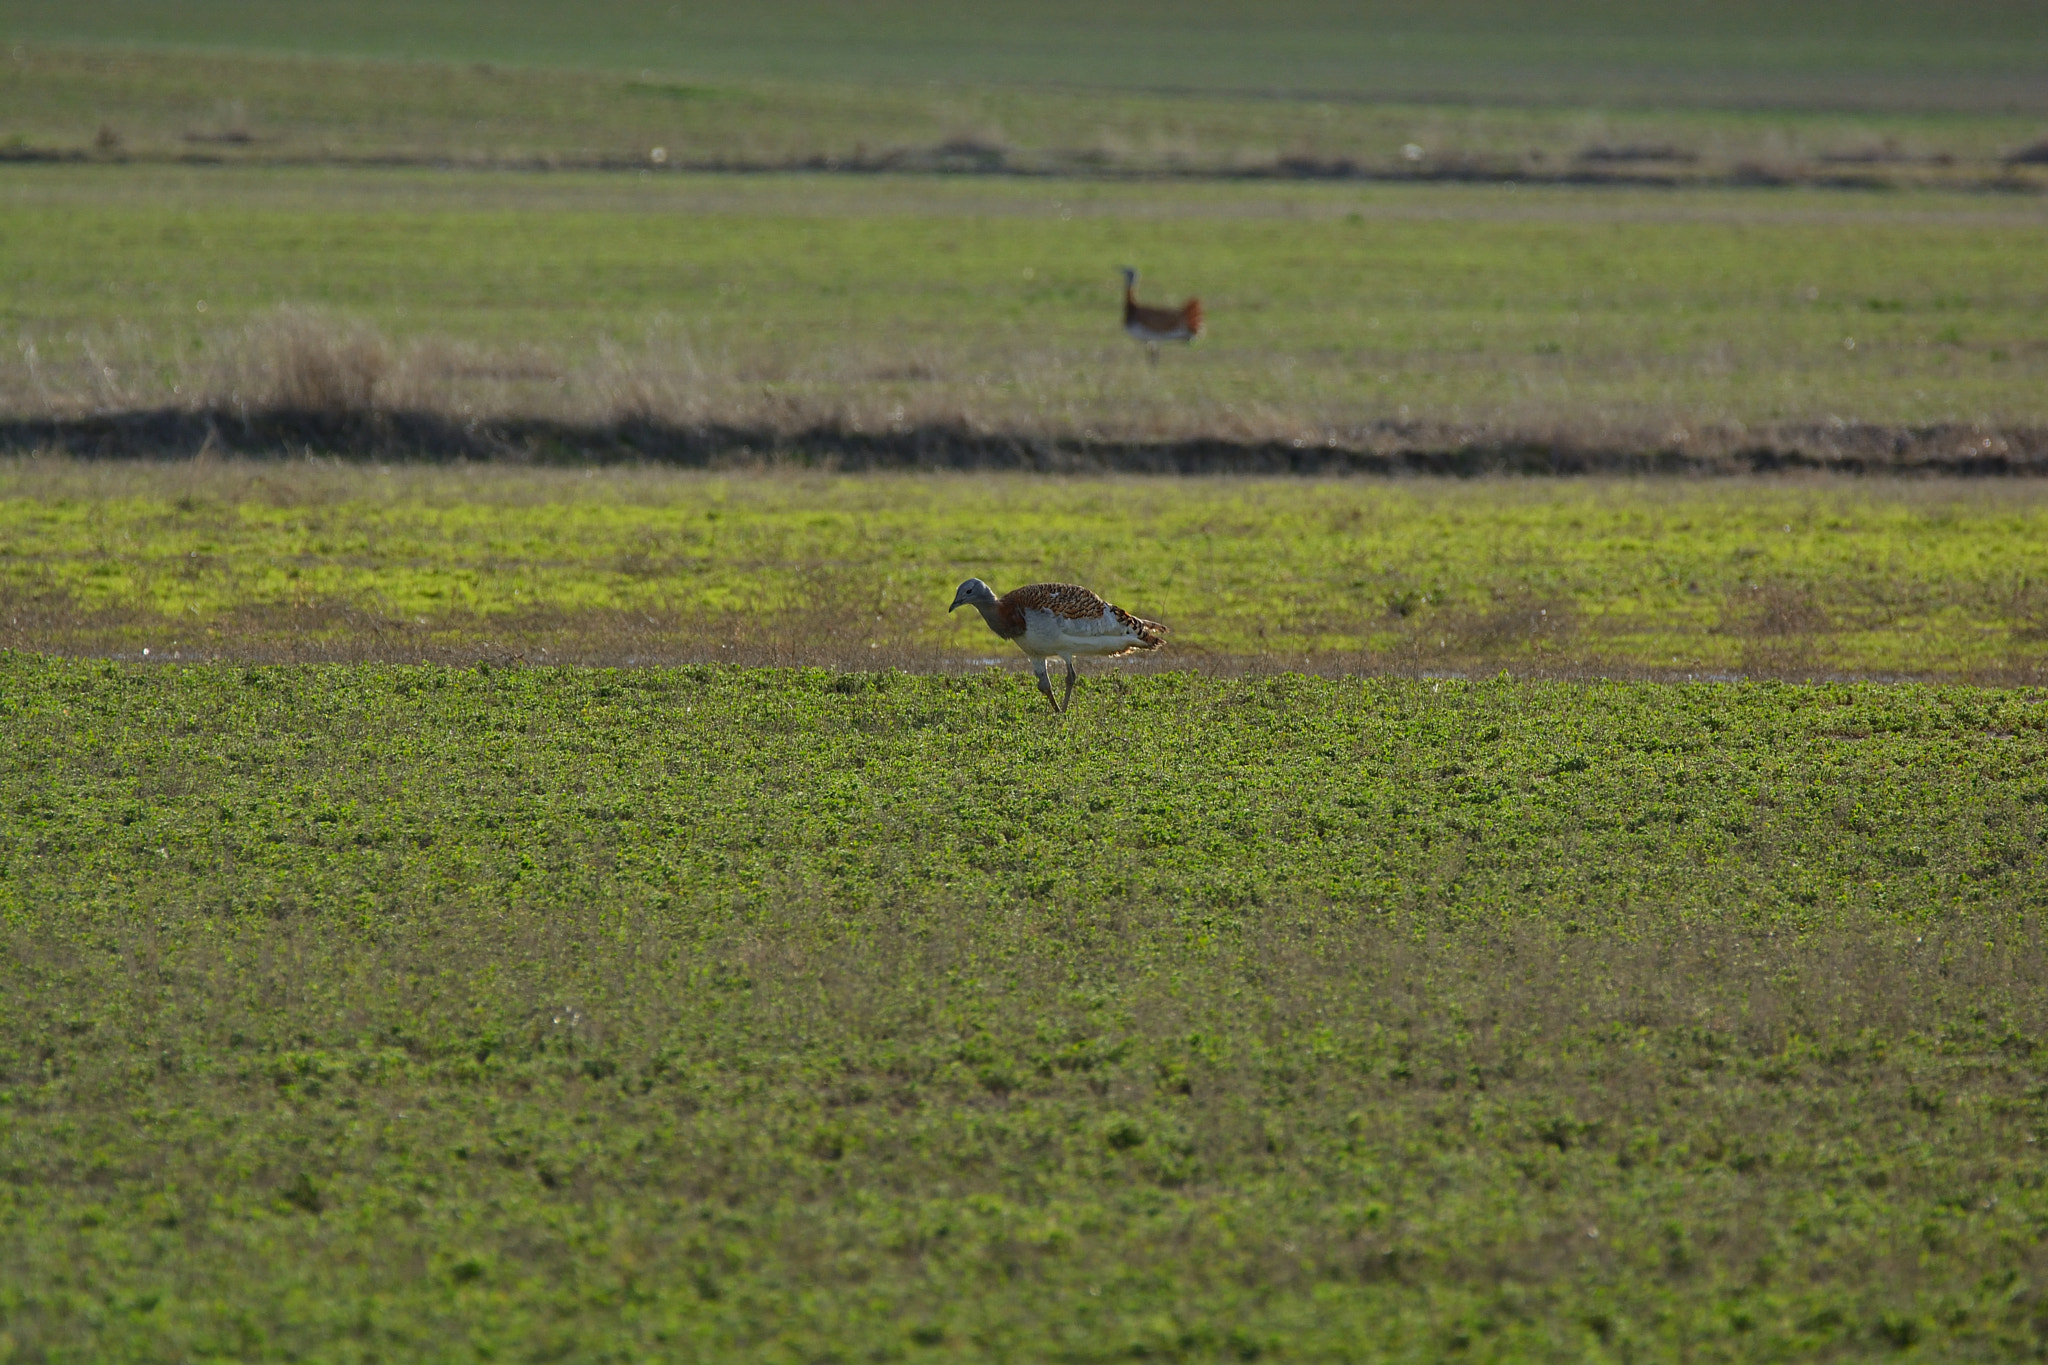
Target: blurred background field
1610,315
1610,224
215,106
1968,55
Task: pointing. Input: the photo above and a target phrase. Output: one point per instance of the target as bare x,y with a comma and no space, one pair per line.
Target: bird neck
1000,620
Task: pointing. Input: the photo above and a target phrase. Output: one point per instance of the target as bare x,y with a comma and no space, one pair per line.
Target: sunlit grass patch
304,560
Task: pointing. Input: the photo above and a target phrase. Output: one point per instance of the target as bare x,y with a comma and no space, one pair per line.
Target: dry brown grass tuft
1508,627
311,363
1777,611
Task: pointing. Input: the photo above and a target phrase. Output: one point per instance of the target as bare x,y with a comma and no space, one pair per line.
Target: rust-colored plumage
1059,620
1151,325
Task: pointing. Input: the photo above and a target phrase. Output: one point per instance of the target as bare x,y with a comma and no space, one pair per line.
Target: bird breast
1141,331
1049,633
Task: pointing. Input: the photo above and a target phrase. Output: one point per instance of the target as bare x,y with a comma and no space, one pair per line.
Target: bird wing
1068,601
1082,614
1156,319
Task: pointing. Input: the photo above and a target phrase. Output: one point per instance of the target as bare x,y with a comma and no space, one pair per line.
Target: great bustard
1154,325
1058,621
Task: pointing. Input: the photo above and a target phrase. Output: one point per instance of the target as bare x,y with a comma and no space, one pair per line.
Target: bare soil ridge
1374,448
1594,167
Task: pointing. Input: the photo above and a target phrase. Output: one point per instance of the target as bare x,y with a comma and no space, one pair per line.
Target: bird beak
949,610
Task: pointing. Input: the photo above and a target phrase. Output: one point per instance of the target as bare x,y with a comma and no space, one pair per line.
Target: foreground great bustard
1058,621
1154,325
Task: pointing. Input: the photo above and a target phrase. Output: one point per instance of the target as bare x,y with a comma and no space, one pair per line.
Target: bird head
974,593
1130,278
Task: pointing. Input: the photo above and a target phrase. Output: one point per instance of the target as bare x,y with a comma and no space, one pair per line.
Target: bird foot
1045,686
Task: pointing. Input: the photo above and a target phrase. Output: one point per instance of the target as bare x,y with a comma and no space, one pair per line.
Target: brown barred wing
1068,601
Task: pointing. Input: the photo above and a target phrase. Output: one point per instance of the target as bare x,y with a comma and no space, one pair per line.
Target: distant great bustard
1154,325
1058,621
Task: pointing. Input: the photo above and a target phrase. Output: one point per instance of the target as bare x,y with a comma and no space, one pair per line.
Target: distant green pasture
1865,53
995,301
235,107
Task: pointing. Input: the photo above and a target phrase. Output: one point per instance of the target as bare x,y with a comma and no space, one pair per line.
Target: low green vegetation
874,302
1355,980
304,560
1876,54
126,107
704,1013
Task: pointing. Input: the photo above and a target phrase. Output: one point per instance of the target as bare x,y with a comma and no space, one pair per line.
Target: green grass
394,1011
150,106
252,559
714,1014
1968,54
880,301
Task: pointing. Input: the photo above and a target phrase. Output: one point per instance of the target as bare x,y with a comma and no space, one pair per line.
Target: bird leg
1070,686
1044,683
1152,351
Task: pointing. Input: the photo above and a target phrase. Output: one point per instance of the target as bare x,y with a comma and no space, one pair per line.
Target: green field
1507,236
525,910
126,106
266,560
1965,54
877,302
418,1013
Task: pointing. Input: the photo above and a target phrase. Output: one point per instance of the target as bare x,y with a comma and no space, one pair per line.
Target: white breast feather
1045,633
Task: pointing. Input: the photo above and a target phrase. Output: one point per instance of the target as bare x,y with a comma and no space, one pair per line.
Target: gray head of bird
974,593
1130,278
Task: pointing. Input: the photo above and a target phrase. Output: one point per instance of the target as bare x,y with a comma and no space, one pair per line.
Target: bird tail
1152,635
1191,311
